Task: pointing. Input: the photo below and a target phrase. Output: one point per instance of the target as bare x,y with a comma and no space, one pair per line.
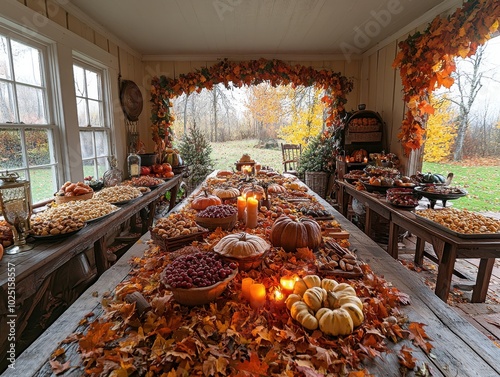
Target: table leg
173,195
445,271
419,252
482,280
368,221
392,247
342,200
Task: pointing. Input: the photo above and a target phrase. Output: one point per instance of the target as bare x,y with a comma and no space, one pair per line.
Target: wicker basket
212,223
317,181
64,199
200,296
171,244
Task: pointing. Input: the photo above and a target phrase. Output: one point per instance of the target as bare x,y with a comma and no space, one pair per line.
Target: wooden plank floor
484,316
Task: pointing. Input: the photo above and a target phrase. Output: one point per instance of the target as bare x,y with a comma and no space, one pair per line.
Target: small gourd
302,314
299,287
312,281
328,284
291,299
335,322
314,297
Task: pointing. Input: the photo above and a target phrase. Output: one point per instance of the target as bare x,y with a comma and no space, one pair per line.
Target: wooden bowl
200,296
212,223
64,199
248,263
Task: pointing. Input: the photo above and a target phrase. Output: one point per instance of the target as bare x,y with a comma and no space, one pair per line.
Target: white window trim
61,45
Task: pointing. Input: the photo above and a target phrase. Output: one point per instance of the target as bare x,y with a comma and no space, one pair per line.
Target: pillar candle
287,283
252,212
245,287
257,295
242,205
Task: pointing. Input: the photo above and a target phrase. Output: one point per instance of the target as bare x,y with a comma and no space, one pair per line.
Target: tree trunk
214,133
185,114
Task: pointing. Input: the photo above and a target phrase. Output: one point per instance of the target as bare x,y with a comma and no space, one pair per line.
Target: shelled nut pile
85,210
175,225
117,194
462,221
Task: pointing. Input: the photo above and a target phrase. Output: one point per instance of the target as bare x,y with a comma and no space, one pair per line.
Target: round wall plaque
131,100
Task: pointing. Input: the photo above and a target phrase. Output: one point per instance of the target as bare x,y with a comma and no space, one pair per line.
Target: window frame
107,124
51,126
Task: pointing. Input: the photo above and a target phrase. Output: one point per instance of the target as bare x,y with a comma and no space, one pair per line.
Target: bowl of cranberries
198,278
217,216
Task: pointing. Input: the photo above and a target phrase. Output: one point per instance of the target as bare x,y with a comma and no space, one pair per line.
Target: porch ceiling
226,28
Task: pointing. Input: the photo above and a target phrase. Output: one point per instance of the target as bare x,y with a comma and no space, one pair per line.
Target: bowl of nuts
222,216
198,278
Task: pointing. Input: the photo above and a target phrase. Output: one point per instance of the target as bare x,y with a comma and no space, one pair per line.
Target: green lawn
482,183
226,154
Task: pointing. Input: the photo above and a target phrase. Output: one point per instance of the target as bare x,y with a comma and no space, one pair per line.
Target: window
27,134
92,119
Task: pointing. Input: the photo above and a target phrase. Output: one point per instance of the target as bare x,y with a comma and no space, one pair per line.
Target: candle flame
278,295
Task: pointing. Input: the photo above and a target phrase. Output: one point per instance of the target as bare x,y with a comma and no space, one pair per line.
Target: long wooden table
33,271
459,349
447,246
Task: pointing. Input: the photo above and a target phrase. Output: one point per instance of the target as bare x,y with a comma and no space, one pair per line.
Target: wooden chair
291,158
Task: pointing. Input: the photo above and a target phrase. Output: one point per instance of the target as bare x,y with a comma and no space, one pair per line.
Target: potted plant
317,162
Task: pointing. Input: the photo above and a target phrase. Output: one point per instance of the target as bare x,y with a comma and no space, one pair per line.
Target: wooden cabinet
363,130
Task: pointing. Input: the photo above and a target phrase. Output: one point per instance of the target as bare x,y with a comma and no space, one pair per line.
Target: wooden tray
171,244
434,224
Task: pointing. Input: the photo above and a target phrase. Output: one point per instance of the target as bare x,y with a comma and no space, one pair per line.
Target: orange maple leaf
405,357
418,336
59,368
304,253
253,366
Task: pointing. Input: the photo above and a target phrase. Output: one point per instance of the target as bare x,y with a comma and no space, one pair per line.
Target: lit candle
287,283
246,283
242,205
257,295
252,212
278,295
365,160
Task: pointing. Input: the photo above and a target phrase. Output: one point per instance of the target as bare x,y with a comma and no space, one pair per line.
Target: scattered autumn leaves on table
229,338
426,60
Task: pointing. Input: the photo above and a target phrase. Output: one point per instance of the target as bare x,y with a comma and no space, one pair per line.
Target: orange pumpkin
292,234
168,174
254,191
204,200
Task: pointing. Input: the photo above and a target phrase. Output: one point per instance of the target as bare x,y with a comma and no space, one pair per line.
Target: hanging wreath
426,60
252,72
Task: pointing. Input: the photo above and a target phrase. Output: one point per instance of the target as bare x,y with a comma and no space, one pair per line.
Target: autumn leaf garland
253,72
426,60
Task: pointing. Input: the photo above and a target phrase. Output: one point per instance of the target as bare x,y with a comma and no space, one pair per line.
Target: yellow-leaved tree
264,105
441,130
306,116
